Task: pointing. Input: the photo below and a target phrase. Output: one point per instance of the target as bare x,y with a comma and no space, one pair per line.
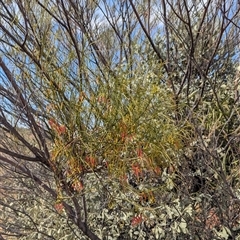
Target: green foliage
123,126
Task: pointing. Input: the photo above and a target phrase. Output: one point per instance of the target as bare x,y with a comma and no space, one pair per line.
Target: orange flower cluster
140,152
102,99
125,136
137,171
137,220
60,129
82,96
91,161
212,219
77,186
59,207
157,170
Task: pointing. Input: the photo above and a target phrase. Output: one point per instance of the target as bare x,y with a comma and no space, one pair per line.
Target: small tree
119,120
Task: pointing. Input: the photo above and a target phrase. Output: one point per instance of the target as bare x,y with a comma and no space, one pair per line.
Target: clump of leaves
125,125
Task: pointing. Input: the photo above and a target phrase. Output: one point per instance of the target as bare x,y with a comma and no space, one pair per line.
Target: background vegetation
119,119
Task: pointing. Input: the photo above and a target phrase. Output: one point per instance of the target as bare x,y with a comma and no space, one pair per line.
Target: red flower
157,170
82,96
52,123
102,99
137,171
77,186
59,207
123,136
126,137
140,152
91,161
123,131
60,129
137,220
